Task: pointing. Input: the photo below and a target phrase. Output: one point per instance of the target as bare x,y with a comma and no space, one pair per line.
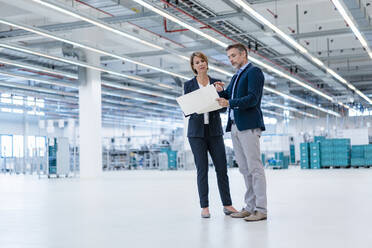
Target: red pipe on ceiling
109,14
227,37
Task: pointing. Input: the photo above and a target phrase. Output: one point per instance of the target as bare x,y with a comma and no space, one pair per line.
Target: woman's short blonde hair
200,55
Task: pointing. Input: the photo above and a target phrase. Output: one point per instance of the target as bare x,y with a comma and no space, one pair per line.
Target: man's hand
219,86
223,102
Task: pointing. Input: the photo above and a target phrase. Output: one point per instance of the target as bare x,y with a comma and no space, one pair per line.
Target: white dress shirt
206,115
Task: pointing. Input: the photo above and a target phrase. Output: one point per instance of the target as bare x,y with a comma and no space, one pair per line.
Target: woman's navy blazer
196,121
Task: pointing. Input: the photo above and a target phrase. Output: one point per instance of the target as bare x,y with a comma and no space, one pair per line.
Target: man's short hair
238,46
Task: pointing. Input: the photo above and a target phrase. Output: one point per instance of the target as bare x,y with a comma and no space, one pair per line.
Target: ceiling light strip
98,23
254,60
301,101
87,47
37,68
303,50
24,77
352,26
176,20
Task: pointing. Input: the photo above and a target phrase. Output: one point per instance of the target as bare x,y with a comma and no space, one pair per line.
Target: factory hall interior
185,123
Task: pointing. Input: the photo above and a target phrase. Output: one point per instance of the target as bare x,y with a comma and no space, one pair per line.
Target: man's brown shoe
242,214
257,216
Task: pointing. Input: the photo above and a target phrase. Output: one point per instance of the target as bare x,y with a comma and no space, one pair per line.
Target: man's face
237,58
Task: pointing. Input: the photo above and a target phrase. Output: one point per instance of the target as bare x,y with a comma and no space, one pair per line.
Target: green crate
357,161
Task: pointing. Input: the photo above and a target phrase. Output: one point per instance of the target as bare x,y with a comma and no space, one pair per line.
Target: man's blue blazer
246,102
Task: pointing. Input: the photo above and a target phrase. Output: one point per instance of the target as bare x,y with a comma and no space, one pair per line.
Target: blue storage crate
358,148
368,161
326,142
315,164
368,151
326,148
314,146
337,142
279,155
304,154
263,158
304,146
357,161
305,165
172,159
326,162
318,138
326,156
315,154
341,149
341,162
357,151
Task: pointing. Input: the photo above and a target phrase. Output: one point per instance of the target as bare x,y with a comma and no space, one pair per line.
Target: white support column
90,122
25,138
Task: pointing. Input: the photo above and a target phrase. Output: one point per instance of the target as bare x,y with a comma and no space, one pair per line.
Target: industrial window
18,146
6,98
31,146
40,146
6,146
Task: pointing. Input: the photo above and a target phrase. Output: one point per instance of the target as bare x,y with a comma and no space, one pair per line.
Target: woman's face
200,65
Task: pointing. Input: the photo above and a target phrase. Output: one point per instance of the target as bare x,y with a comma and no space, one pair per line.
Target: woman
205,135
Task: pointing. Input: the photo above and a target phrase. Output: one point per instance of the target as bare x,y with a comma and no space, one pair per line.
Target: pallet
335,167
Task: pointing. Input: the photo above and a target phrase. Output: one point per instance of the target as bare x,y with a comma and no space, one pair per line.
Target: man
243,98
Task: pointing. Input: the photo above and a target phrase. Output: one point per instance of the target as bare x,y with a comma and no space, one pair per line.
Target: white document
199,101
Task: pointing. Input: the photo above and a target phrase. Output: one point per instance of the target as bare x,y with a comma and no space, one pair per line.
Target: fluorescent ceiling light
275,113
291,109
303,50
24,77
224,45
176,20
87,47
142,91
38,68
98,23
352,25
295,99
108,27
33,88
77,63
295,80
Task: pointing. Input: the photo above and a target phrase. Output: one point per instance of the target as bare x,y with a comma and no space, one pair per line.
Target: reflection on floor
314,208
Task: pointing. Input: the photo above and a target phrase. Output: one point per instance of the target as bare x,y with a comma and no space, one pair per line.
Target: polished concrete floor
313,208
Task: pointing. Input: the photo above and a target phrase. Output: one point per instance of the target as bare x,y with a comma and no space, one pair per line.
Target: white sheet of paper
199,101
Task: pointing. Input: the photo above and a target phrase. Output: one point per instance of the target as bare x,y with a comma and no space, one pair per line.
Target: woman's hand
219,86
